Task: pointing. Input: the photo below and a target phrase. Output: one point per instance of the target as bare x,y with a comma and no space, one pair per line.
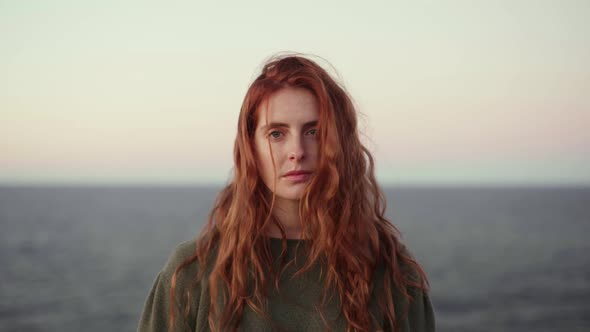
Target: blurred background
117,121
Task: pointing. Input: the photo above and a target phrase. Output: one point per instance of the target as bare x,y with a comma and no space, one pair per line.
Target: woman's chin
292,194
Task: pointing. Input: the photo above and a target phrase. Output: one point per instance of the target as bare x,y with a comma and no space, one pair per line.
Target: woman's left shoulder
421,316
420,310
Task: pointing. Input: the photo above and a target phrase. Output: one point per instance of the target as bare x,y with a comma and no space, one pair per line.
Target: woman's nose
296,149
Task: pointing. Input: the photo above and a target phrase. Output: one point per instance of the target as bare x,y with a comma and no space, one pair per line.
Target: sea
83,258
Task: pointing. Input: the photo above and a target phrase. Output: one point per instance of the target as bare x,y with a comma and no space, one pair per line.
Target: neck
287,214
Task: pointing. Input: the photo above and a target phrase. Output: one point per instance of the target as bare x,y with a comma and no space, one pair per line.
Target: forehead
292,106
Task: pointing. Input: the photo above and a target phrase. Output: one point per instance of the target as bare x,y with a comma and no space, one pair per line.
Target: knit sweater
293,308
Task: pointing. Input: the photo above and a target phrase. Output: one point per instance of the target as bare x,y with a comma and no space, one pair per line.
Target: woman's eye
275,134
312,132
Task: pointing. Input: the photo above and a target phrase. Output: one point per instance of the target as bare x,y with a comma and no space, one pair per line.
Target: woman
298,240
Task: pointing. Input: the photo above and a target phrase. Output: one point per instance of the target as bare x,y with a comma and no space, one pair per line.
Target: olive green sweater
294,309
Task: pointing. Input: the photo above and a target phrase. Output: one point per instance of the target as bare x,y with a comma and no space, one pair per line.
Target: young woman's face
292,115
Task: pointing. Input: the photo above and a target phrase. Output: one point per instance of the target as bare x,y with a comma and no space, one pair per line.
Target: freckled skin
295,147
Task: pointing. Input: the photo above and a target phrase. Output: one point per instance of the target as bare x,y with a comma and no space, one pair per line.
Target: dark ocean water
498,259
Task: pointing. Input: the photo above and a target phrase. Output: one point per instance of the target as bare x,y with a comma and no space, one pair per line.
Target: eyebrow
284,125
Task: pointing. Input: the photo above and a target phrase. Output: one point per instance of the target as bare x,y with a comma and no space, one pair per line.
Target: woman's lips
298,177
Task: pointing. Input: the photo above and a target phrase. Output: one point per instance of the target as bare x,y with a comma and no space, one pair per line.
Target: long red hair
343,214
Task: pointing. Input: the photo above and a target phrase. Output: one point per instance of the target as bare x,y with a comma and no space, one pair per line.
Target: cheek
265,163
263,159
314,149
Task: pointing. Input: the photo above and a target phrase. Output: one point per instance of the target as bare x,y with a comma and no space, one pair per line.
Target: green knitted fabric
293,308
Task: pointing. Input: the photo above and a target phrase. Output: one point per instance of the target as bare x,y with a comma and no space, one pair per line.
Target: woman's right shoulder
155,315
182,251
180,254
185,252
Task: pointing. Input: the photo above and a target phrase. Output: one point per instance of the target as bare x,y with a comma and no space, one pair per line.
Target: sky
449,92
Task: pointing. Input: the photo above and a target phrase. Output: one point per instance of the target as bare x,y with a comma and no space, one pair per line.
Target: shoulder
182,253
421,314
419,309
155,314
405,263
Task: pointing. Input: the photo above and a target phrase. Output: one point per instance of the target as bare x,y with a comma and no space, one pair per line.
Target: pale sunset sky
451,92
